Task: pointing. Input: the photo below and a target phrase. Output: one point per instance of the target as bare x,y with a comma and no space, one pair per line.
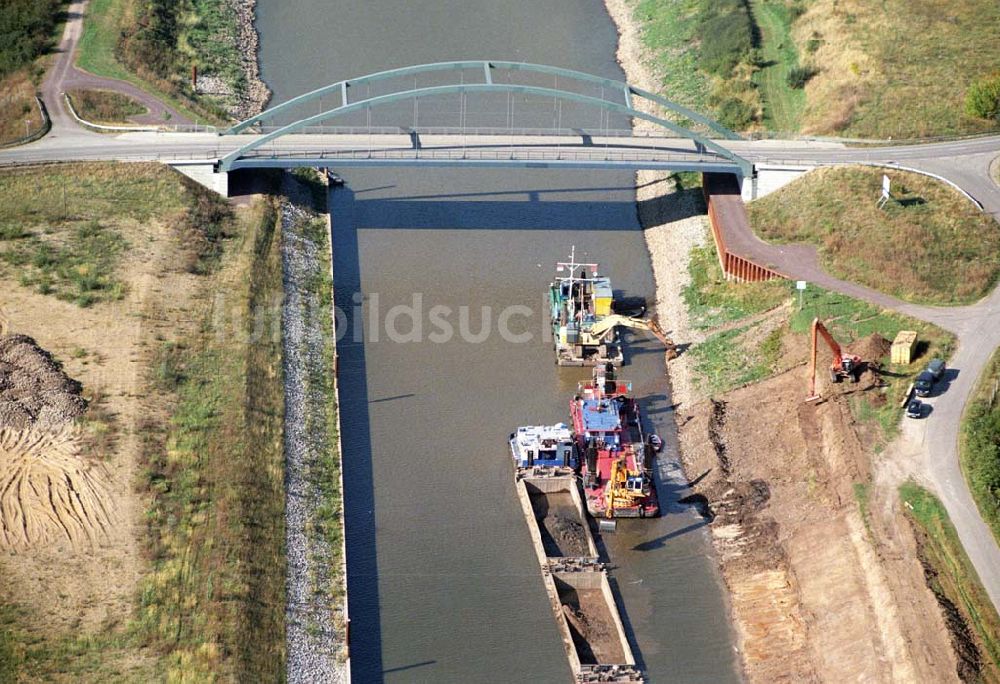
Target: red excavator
843,365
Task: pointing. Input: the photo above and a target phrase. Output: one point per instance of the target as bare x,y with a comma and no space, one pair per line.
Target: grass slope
898,68
980,446
933,246
19,114
783,105
214,601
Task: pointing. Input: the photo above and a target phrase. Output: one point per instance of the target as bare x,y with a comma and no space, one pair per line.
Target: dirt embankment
819,591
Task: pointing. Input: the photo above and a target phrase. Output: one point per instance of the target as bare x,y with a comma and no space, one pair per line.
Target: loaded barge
545,460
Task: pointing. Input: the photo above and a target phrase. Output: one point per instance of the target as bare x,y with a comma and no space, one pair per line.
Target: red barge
616,464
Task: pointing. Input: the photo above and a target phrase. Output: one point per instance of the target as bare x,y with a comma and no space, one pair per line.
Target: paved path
65,76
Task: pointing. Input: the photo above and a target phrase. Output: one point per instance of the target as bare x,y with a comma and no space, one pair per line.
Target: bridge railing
473,131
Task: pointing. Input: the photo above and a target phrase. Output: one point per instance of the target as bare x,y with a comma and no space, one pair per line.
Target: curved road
64,76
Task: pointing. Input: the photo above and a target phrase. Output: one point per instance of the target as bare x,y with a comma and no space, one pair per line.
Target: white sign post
886,191
800,285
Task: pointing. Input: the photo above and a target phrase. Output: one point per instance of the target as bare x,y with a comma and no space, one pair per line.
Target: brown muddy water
443,582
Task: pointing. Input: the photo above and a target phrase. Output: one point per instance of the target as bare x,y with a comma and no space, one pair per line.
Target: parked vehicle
915,409
924,383
936,368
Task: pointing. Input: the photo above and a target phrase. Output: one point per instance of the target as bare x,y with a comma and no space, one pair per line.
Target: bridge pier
203,173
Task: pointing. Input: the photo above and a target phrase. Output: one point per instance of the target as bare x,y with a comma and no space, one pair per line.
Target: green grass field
980,445
933,246
783,105
98,46
104,106
954,581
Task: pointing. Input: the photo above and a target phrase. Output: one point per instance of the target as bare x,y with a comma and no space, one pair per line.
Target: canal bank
442,581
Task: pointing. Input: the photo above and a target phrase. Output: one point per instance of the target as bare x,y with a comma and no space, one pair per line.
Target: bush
982,100
799,76
25,31
726,40
982,431
735,114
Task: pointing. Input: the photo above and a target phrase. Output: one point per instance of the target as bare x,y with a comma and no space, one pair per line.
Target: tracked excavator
624,488
600,340
843,365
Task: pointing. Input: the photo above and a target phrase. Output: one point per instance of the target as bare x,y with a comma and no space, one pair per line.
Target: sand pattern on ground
48,490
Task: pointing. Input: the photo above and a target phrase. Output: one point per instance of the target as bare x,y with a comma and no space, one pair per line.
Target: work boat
616,465
579,300
544,449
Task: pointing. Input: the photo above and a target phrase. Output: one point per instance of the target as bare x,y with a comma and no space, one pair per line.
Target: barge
616,463
575,579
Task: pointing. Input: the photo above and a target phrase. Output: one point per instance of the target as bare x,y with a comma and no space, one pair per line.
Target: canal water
443,583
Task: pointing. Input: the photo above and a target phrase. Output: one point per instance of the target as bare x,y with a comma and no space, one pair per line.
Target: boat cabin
543,445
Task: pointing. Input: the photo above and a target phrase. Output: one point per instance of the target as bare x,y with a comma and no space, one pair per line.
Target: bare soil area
820,589
76,562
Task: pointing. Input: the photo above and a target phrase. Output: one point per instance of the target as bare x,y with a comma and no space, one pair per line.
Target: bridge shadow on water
503,210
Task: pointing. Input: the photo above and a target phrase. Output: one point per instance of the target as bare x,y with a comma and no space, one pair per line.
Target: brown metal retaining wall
725,203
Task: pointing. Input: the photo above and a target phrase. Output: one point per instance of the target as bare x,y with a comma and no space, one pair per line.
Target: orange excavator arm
838,357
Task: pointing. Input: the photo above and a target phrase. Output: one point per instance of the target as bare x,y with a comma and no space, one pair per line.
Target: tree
982,100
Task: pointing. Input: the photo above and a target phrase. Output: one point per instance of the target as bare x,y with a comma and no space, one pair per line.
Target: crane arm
603,327
838,355
819,330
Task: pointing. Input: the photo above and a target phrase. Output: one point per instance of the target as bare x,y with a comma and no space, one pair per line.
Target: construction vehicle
626,489
607,327
584,325
842,366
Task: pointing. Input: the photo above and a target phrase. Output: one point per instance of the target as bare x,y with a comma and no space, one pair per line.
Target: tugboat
544,449
616,466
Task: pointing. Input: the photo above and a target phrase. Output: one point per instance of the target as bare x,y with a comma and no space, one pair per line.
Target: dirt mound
872,348
34,391
568,534
48,491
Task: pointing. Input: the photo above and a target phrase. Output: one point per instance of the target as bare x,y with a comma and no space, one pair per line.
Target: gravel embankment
254,97
315,648
671,229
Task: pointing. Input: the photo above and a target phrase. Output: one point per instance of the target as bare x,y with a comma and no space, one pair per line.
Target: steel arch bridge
292,145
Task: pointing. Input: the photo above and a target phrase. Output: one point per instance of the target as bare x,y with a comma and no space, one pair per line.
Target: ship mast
572,265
